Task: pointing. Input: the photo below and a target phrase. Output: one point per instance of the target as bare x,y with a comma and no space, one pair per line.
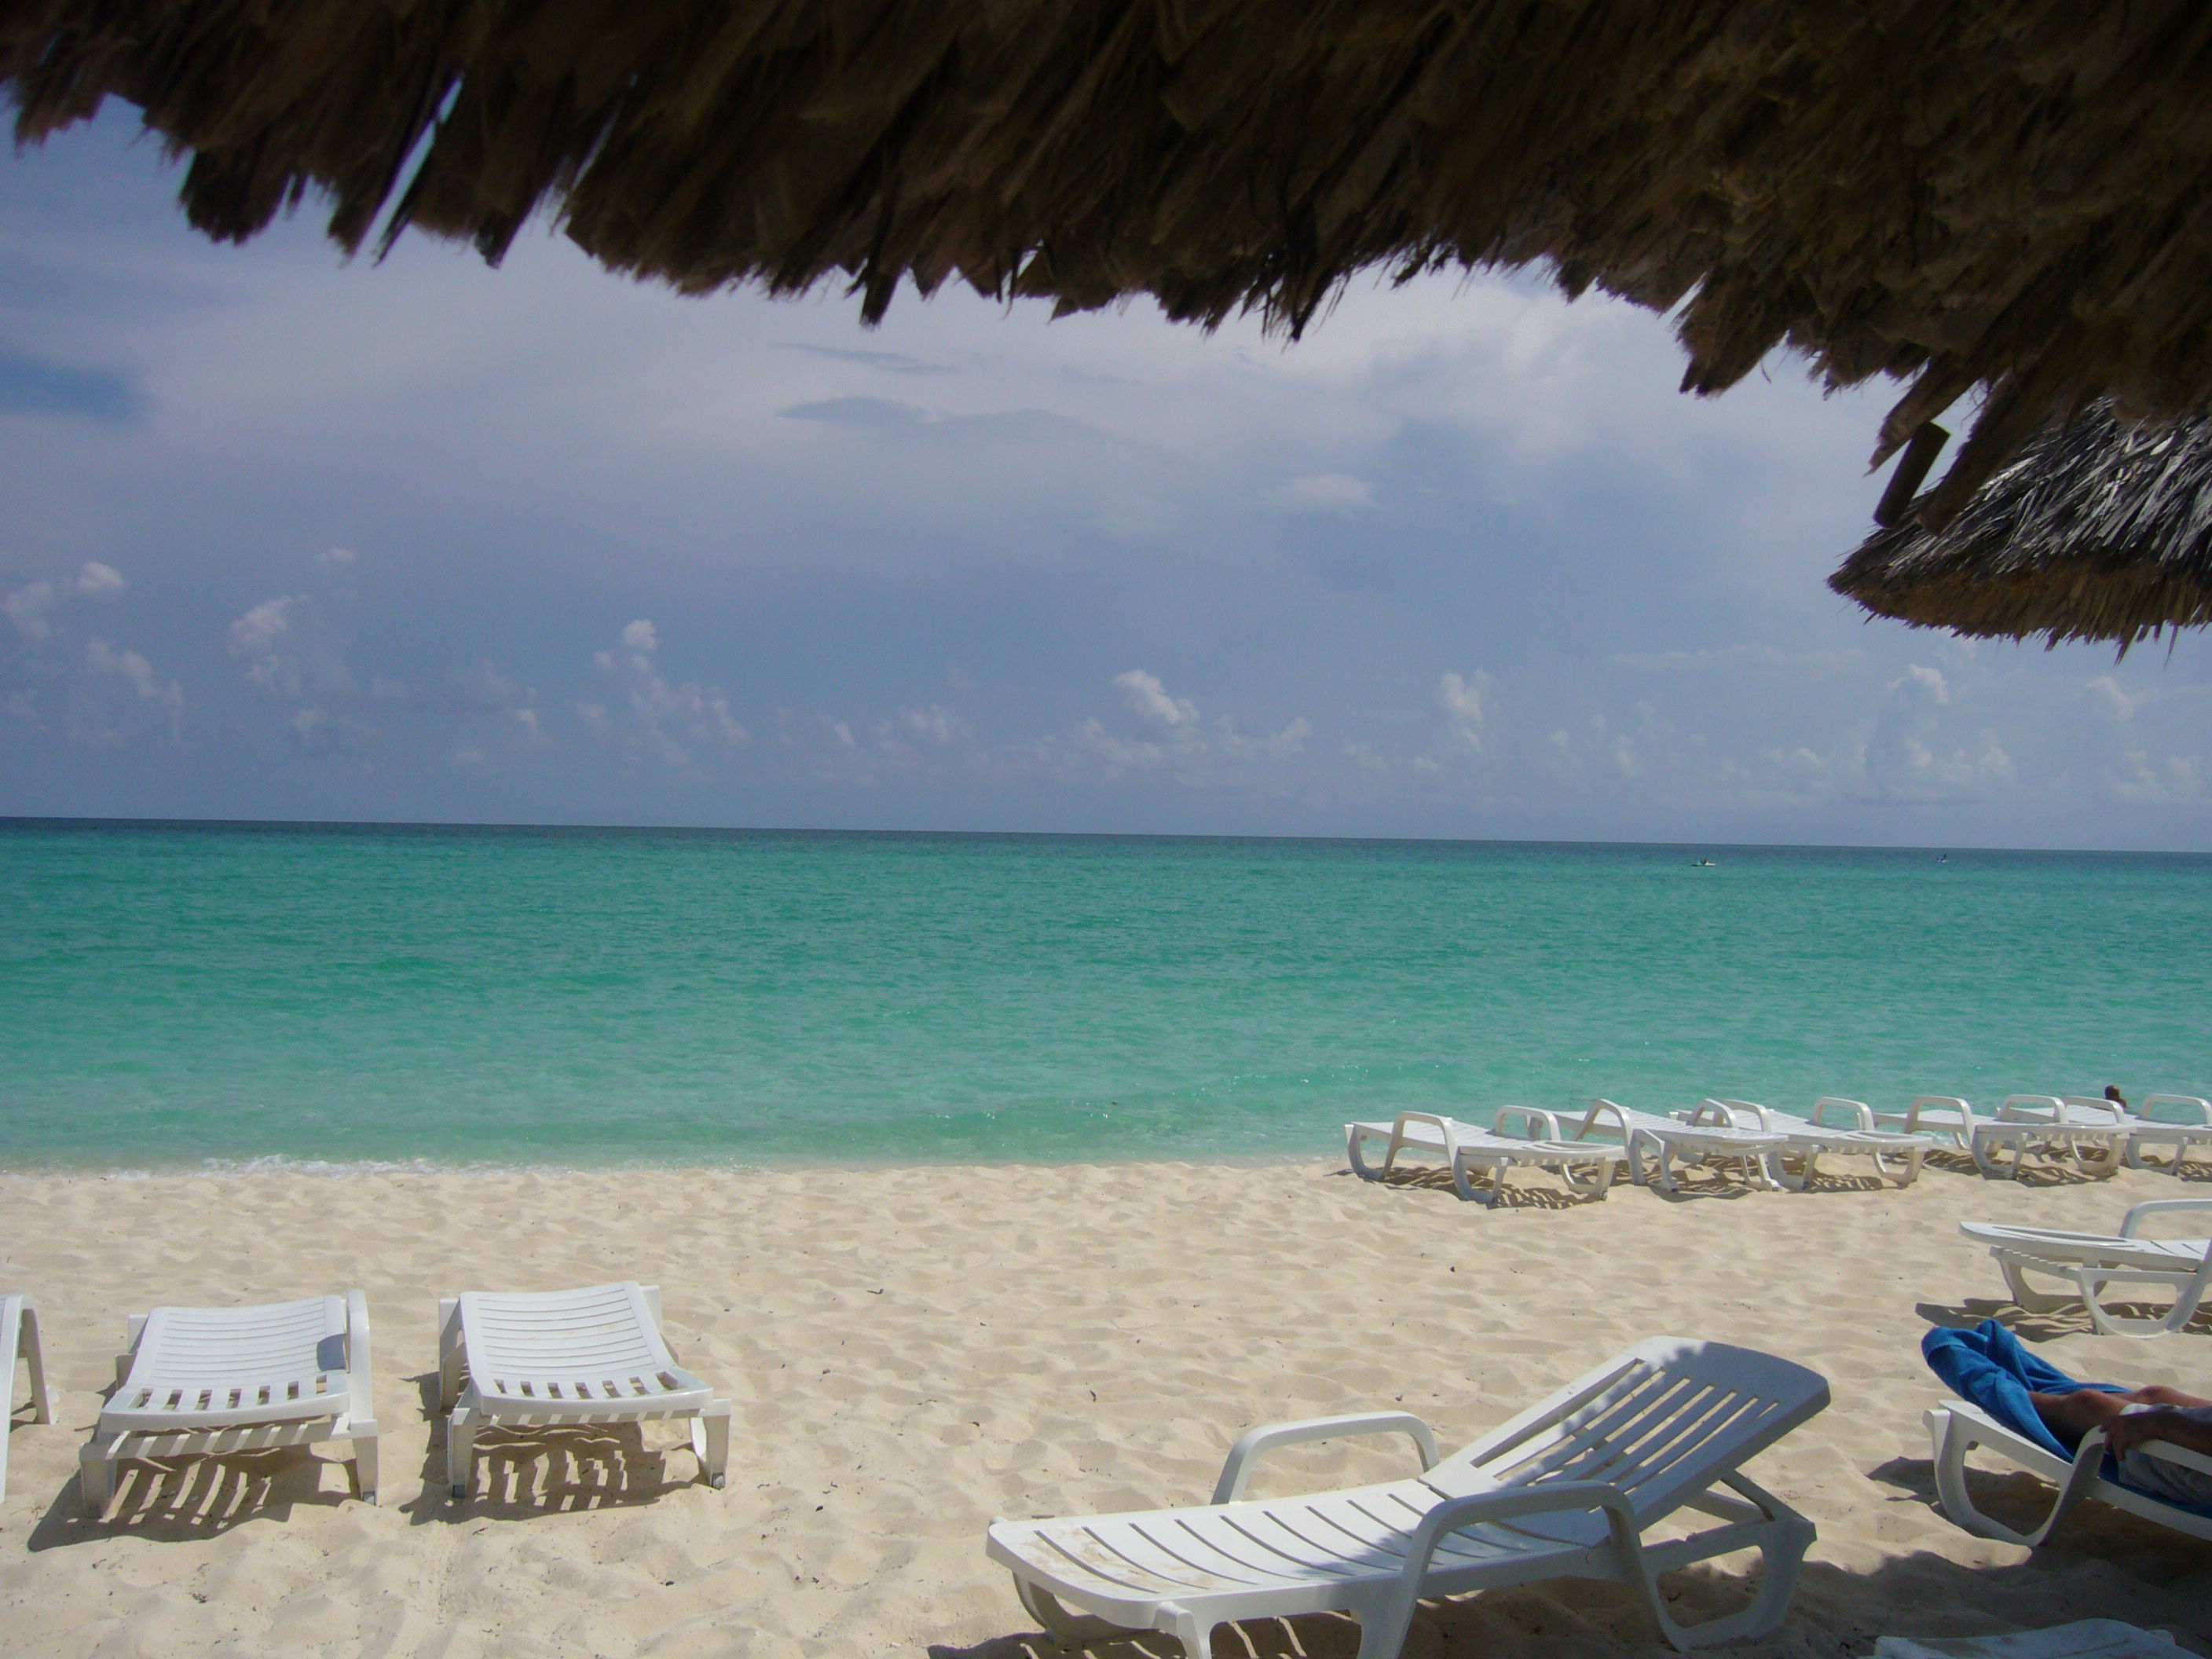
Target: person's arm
2123,1434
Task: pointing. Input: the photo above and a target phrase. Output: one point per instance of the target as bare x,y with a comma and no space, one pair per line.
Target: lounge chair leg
1594,1183
460,1451
364,1461
2100,1160
451,1356
1193,1633
1786,1537
95,1464
1883,1166
1780,1560
1068,1632
2030,1299
2107,1323
710,1441
1488,1195
42,1397
1954,1439
1991,1162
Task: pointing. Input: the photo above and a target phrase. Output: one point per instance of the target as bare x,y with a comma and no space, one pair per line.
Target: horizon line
16,822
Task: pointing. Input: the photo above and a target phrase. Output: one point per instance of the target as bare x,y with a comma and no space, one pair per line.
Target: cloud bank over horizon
284,536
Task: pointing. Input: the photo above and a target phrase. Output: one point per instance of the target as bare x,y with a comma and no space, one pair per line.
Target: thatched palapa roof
2095,530
2002,194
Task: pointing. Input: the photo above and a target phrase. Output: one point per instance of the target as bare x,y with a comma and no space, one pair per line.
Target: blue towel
1988,1367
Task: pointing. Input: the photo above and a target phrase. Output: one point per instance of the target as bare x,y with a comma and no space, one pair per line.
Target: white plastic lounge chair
1956,1428
2088,1262
1653,1144
563,1358
1896,1158
193,1380
2188,1123
19,1341
2091,1133
1567,1489
1943,1117
1464,1147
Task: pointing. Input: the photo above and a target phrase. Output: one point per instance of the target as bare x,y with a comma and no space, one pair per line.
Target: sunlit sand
912,1351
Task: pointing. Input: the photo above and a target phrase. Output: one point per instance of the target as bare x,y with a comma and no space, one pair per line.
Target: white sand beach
912,1351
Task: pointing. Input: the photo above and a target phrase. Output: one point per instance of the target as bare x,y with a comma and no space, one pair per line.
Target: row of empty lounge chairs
197,1381
1770,1149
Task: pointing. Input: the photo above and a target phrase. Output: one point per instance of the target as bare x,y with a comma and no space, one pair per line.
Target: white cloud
338,558
484,687
1463,702
2177,780
1921,684
1325,492
672,720
2121,705
1149,700
283,647
35,606
30,607
135,673
1908,756
936,725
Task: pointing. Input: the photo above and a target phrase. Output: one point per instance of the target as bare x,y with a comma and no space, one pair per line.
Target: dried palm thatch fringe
2002,194
2096,530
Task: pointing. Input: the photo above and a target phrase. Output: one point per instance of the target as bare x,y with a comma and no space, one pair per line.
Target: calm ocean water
174,994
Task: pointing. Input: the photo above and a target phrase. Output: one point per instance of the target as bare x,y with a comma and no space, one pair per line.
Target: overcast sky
283,536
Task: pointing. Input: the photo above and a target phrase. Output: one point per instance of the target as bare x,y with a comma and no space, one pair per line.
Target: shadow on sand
519,1473
2072,1320
1516,1195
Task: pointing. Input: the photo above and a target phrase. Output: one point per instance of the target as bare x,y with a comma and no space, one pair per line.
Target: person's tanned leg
2157,1393
2071,1416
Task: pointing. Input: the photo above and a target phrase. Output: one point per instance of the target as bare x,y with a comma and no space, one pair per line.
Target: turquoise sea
174,994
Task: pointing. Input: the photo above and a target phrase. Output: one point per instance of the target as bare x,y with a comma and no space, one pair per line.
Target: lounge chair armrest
1509,1502
2168,1452
1238,1466
1861,1113
359,1361
2160,1207
1715,1112
2200,1111
1536,1123
1388,1634
1610,1116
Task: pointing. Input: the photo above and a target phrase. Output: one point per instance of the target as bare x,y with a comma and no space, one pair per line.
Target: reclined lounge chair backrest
1655,1423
